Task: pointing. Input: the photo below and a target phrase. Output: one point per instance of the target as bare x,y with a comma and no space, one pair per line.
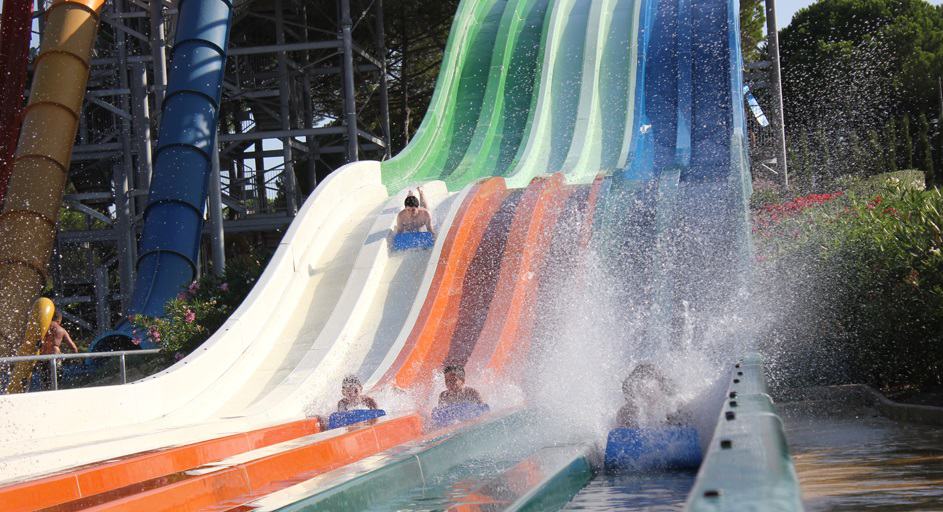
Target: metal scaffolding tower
305,92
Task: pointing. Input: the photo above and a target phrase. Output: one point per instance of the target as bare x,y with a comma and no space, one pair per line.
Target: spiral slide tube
38,176
173,218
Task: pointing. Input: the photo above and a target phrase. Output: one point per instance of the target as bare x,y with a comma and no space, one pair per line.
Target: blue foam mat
457,413
633,449
343,419
413,240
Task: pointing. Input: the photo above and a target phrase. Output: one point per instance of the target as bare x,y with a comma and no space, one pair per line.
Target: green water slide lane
617,84
504,113
452,114
583,155
551,124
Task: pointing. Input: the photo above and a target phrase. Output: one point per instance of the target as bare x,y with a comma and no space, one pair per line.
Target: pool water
650,491
852,458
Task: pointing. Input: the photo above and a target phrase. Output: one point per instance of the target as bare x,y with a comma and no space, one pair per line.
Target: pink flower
190,316
178,356
224,287
136,340
193,288
182,296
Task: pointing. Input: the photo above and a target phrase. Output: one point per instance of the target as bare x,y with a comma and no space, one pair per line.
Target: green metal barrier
747,466
568,470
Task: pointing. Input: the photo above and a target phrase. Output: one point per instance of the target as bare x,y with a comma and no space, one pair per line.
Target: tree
752,21
924,151
854,62
890,146
823,164
905,155
875,153
858,160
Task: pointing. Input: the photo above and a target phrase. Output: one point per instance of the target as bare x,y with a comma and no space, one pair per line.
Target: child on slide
353,399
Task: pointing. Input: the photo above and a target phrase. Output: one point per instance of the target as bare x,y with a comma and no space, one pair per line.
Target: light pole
776,89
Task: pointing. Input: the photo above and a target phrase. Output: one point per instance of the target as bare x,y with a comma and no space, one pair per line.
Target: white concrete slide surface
333,300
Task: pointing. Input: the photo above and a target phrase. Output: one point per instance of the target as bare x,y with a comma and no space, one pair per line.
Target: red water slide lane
511,355
97,478
502,338
425,349
16,21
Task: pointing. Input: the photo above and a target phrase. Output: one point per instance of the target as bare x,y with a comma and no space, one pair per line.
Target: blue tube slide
173,218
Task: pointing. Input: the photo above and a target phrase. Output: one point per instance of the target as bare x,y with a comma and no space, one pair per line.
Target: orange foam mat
424,351
253,474
102,477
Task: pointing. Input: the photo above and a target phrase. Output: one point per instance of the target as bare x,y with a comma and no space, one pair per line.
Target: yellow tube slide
39,321
41,162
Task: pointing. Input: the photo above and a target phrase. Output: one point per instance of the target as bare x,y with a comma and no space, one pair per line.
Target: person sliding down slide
415,215
351,389
650,399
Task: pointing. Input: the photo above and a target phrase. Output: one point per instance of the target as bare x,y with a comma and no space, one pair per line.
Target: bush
200,309
858,285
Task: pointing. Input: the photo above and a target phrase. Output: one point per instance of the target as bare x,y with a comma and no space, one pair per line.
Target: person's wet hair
411,202
458,371
57,316
352,380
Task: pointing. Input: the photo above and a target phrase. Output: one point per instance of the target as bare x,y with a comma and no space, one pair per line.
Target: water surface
855,459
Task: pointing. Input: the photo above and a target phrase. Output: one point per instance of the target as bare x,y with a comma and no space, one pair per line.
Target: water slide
535,99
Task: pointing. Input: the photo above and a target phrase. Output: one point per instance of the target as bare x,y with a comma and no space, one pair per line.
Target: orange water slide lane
529,316
41,162
247,477
424,349
500,340
102,477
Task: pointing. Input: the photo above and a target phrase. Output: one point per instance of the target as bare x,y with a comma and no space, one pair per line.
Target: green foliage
752,22
201,309
861,282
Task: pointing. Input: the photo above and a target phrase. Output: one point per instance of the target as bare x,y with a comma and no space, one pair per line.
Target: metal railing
52,358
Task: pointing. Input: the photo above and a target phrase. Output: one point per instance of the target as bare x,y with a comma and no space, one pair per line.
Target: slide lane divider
256,472
113,474
421,350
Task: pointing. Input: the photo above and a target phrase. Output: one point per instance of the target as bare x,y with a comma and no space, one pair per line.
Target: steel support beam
350,100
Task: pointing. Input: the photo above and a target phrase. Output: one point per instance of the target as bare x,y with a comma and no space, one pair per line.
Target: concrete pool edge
747,466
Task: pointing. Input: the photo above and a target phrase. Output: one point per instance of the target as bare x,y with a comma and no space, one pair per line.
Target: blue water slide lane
173,218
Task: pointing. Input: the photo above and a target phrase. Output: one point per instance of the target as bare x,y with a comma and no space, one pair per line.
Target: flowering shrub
199,310
859,284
